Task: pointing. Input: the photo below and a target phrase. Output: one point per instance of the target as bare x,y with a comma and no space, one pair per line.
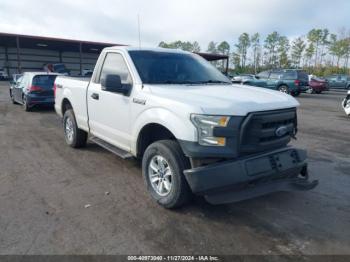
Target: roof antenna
139,28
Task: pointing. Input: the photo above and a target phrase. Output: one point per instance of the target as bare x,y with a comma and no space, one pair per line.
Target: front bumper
235,180
346,105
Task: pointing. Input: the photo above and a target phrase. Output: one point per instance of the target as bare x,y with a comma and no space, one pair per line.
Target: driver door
109,112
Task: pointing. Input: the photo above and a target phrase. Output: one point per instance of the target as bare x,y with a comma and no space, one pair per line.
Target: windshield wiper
213,82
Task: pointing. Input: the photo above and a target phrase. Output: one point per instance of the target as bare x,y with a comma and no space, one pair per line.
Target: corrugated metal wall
34,59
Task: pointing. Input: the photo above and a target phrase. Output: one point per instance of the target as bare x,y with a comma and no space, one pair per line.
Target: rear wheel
318,92
162,167
283,89
295,93
25,105
74,136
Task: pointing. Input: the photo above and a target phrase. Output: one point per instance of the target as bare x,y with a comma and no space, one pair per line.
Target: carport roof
51,43
212,57
69,45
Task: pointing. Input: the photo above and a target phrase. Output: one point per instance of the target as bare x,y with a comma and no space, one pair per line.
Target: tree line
319,52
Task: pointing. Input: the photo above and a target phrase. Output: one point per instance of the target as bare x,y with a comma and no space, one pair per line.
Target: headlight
205,125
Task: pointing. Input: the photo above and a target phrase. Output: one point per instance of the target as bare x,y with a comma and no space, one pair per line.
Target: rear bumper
40,100
236,180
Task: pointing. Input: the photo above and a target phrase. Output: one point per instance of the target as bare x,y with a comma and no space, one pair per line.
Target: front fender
180,126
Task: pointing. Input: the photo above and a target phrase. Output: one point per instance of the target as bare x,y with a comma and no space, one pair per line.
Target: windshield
175,68
44,81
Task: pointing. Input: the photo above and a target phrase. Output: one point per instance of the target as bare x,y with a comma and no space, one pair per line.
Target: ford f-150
194,130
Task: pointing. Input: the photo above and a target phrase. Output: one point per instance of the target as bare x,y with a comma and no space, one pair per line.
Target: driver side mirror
113,83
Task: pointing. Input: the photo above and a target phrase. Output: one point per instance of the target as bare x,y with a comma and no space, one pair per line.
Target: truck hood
225,99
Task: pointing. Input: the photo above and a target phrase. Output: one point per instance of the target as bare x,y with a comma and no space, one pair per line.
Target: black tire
283,89
25,105
318,92
296,93
12,99
78,137
180,192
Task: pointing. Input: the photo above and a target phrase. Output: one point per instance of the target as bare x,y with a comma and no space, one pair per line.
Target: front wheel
283,89
12,98
162,167
74,136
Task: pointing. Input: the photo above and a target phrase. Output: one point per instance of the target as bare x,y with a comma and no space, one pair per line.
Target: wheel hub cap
160,175
69,131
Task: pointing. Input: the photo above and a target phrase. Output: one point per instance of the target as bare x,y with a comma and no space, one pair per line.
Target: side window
19,80
275,75
114,64
344,78
289,75
263,74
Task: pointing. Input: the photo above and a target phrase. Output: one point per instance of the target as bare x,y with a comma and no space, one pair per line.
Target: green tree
324,44
224,49
187,46
242,47
255,42
309,52
196,47
271,45
236,61
298,47
282,49
315,37
212,48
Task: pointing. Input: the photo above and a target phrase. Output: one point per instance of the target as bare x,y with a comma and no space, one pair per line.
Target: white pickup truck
194,131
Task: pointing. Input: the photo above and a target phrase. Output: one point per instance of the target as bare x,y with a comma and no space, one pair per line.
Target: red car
317,85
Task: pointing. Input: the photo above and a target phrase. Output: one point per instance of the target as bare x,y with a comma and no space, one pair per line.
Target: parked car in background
290,81
87,72
57,68
243,78
3,74
34,88
317,85
346,104
339,81
14,81
194,131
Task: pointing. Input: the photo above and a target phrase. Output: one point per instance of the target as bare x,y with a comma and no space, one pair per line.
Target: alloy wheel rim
68,128
160,175
283,89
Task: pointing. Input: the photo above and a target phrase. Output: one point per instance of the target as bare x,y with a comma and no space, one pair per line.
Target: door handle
95,96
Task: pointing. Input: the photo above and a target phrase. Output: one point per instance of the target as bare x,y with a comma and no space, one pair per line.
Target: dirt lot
44,186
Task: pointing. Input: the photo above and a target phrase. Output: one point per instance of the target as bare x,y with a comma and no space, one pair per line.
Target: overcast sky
115,21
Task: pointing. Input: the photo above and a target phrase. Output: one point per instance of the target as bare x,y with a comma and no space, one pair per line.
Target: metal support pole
7,64
80,58
19,68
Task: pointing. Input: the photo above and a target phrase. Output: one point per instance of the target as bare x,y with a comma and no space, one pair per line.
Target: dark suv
339,81
290,81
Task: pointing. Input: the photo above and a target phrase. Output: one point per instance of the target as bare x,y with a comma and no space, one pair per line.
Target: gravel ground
45,187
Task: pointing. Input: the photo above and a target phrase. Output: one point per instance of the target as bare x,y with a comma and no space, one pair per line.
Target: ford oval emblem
281,131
